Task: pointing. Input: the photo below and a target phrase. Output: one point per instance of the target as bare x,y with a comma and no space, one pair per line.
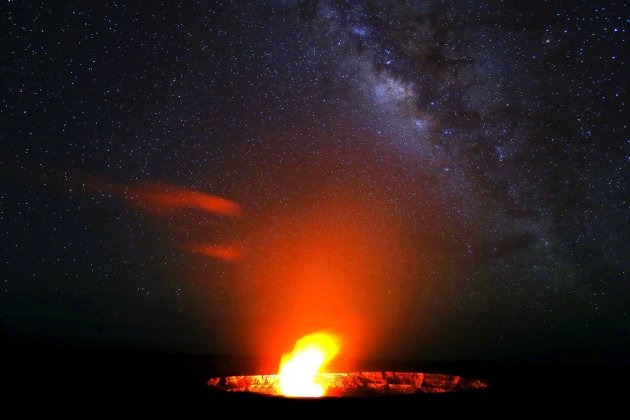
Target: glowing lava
300,376
299,369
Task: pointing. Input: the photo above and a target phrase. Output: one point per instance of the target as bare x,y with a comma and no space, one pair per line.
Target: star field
456,171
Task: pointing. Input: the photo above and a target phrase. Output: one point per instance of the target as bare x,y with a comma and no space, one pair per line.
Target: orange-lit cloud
162,196
168,202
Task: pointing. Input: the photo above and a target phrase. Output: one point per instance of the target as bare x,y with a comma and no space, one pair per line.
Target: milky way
461,166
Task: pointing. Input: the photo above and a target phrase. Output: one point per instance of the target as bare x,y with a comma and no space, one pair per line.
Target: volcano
301,375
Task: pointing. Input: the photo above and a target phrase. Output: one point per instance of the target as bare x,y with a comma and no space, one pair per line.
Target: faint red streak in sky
220,252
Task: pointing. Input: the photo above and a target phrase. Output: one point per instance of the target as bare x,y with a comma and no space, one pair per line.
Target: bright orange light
298,369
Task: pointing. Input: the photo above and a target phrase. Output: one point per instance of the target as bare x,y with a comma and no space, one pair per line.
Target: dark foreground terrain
89,382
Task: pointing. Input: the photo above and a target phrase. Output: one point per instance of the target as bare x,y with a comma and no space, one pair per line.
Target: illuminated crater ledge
356,384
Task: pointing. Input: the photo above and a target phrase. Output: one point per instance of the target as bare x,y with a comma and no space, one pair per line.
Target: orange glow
220,252
332,265
299,369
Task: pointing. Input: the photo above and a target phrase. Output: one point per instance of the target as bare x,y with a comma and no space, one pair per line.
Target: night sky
427,179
